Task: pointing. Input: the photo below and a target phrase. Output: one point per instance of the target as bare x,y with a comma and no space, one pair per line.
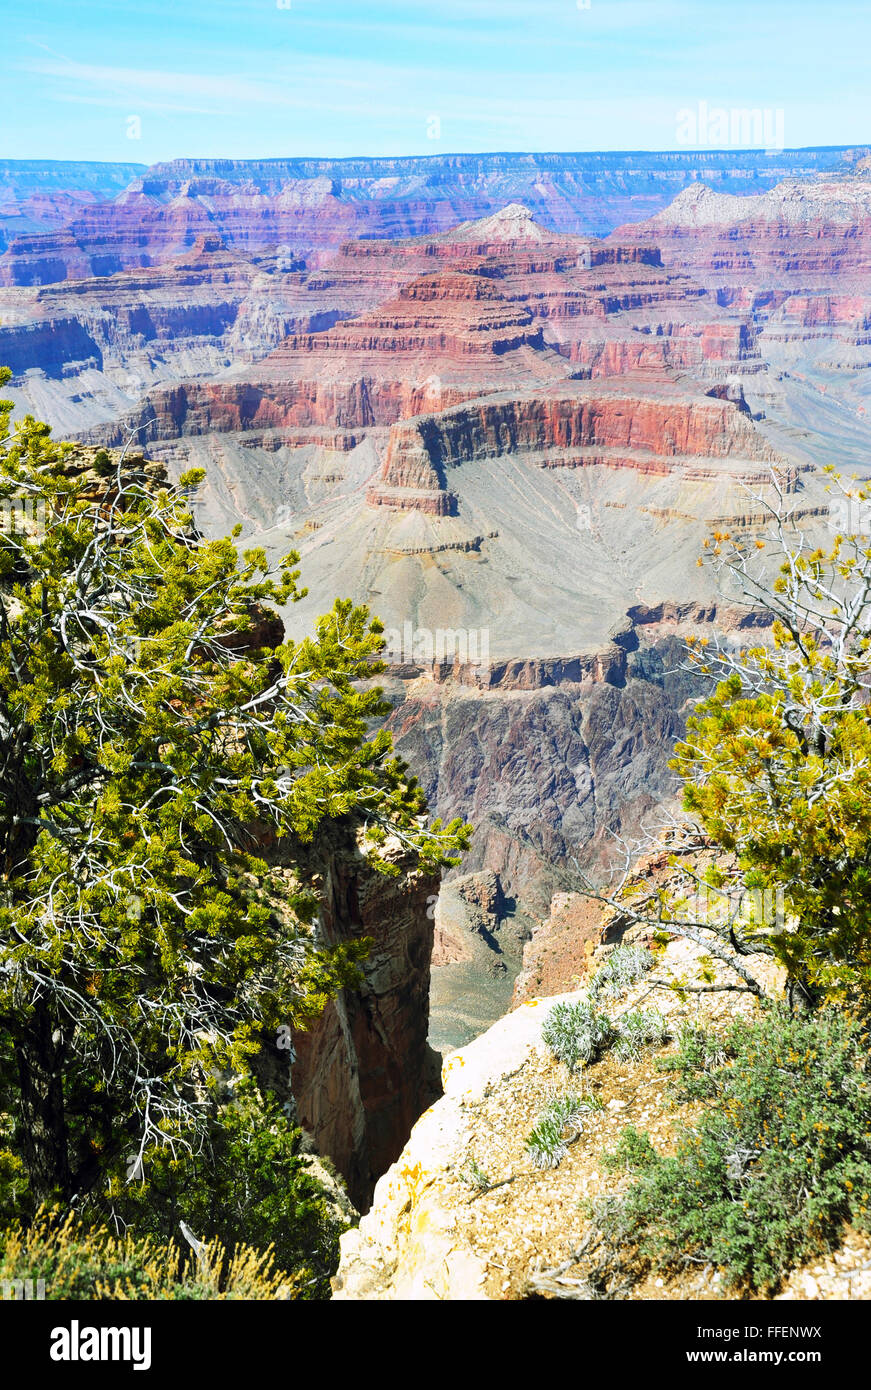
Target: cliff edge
465,1213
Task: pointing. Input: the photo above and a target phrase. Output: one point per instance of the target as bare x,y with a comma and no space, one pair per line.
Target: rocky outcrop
464,1214
364,1072
800,233
410,1245
314,205
655,430
575,424
95,472
51,345
193,311
559,953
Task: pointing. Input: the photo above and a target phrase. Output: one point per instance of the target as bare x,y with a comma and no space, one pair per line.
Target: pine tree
149,747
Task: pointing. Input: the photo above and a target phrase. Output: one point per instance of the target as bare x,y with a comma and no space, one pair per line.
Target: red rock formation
826,311
798,234
388,330
487,322
797,257
653,429
314,205
442,340
437,315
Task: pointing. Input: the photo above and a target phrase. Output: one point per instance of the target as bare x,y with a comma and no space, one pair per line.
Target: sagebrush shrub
558,1125
622,969
76,1261
577,1033
778,1160
637,1030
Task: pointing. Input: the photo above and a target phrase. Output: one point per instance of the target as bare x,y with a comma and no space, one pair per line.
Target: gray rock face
544,775
547,768
478,949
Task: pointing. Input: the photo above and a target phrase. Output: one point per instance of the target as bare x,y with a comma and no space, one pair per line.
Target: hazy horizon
366,155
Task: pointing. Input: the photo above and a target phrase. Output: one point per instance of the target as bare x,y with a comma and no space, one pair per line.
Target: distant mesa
81,229
797,235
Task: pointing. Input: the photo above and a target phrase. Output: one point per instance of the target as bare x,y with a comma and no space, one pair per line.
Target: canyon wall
37,196
364,1072
314,205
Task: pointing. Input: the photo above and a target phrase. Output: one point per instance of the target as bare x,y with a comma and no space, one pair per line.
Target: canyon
502,400
87,355
364,1071
37,196
316,203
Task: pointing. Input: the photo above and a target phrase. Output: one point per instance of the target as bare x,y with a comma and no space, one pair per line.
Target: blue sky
113,80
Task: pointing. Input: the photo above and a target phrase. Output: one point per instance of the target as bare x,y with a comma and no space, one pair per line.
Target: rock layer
314,205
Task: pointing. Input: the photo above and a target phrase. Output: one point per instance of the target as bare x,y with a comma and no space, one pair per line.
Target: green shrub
103,463
623,968
76,1261
249,1185
558,1125
699,1058
577,1033
640,1029
778,1161
634,1151
14,1182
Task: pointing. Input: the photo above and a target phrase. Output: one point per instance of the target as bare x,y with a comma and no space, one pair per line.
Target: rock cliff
314,205
364,1072
465,1214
